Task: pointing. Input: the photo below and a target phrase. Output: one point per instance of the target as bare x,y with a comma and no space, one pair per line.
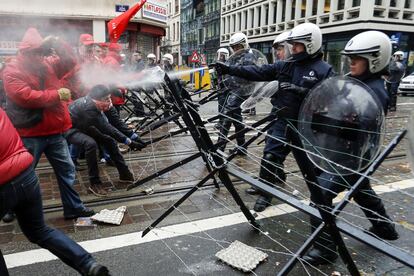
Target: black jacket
87,118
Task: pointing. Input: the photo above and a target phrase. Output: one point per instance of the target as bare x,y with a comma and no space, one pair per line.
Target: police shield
265,90
341,125
240,86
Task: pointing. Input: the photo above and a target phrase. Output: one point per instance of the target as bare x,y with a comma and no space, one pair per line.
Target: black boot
324,250
262,203
8,217
320,255
385,232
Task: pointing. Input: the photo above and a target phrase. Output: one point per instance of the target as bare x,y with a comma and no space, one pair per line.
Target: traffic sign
194,57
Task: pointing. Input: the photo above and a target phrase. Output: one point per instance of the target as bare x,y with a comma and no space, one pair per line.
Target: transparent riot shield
265,90
241,86
341,124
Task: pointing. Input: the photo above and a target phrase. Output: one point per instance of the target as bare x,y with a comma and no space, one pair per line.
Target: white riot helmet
309,35
169,58
280,41
374,46
399,55
238,39
151,56
222,54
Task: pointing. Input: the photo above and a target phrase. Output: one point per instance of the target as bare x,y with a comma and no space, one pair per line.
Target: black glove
136,145
287,86
221,67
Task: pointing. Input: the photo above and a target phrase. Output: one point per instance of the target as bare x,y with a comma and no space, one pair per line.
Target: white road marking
104,244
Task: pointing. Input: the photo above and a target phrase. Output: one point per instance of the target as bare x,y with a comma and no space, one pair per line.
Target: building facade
171,42
200,29
339,20
70,18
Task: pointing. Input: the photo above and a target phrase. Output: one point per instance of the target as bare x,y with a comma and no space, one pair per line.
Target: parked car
407,85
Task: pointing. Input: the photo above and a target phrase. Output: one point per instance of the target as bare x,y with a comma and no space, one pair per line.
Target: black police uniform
302,70
396,72
366,197
238,92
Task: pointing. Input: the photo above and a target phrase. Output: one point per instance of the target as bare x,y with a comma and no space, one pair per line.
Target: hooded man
37,104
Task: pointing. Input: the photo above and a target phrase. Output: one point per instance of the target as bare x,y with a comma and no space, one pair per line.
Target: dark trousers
232,116
83,141
22,195
365,197
392,89
90,141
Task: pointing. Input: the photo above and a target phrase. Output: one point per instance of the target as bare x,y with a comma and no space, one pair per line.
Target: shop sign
155,10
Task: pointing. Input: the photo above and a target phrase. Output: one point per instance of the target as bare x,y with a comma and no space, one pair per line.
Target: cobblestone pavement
143,209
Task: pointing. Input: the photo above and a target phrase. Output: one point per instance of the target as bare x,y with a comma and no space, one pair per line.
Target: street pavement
170,252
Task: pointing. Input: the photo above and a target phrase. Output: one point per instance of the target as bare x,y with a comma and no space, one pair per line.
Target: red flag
118,25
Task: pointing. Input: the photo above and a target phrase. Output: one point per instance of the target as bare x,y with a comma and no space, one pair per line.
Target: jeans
22,195
56,150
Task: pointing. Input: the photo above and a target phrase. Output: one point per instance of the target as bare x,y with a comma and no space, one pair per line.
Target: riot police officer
396,73
168,62
369,54
238,92
304,69
152,60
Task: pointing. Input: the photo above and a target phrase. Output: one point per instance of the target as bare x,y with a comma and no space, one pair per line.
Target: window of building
252,21
259,16
293,9
173,32
177,6
266,11
245,19
356,3
378,2
178,30
341,5
327,7
314,7
393,3
407,4
200,36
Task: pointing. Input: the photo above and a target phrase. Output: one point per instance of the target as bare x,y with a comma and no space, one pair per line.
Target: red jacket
14,158
113,59
22,86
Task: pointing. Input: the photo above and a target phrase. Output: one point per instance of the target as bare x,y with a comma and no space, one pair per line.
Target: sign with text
155,10
121,8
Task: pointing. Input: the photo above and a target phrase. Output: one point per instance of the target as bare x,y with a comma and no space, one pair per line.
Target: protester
91,126
113,59
20,192
37,106
137,63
